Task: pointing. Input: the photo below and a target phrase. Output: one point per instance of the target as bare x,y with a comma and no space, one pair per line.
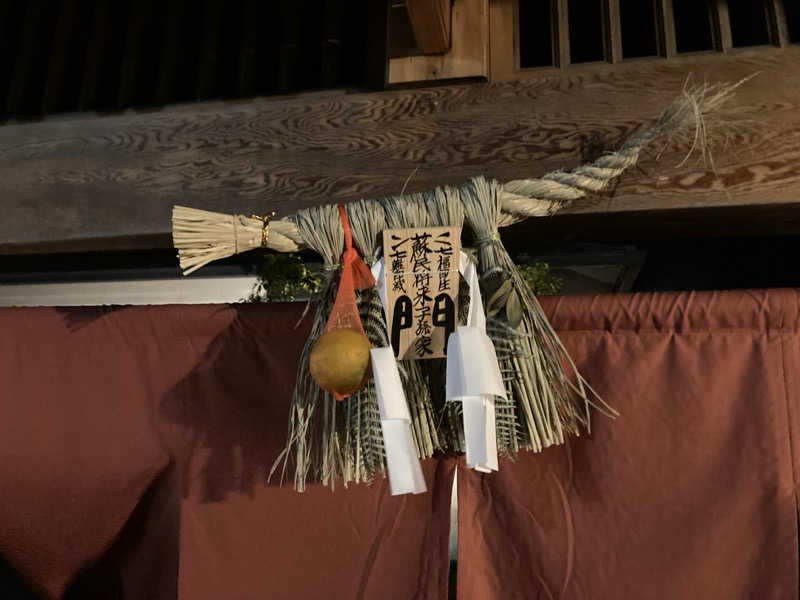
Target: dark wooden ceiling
105,55
84,184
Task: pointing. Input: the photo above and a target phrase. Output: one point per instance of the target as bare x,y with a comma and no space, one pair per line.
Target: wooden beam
23,59
118,176
7,48
562,32
131,57
290,44
660,224
247,56
172,36
503,39
621,226
665,27
613,31
54,83
376,65
161,241
430,20
331,43
207,71
94,54
722,25
469,49
400,41
778,22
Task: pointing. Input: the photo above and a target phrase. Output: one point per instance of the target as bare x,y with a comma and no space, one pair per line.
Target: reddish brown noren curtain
134,444
691,493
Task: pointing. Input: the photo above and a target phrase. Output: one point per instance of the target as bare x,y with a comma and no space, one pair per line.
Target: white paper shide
402,463
473,377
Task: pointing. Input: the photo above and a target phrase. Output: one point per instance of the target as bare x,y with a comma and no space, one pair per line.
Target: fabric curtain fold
690,493
135,444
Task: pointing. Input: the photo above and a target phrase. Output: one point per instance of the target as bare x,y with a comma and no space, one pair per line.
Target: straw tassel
201,236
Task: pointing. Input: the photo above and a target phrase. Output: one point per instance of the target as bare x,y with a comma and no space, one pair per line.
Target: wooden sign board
421,267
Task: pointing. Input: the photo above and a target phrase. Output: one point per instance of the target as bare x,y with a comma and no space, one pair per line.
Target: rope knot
487,239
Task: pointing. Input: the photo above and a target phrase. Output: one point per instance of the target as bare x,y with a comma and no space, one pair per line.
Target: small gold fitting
265,230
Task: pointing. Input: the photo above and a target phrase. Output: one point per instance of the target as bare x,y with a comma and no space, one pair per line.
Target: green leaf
284,277
498,299
491,283
514,309
540,279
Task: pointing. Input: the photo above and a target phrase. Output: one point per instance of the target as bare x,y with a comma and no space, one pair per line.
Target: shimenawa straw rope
202,236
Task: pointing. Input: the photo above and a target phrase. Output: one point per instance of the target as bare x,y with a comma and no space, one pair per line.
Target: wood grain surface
467,56
431,24
116,177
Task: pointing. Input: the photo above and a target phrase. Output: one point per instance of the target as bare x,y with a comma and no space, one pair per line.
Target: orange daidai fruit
339,361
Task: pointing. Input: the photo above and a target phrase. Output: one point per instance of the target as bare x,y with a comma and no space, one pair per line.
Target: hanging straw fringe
368,220
439,207
320,229
547,397
201,236
345,441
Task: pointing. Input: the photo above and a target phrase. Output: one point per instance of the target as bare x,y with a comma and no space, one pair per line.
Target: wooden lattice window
559,33
108,55
792,13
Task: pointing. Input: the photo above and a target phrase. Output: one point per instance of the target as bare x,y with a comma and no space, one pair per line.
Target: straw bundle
202,236
547,397
440,207
368,220
544,399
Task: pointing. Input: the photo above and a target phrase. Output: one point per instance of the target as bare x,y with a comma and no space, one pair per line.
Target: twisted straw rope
547,195
519,199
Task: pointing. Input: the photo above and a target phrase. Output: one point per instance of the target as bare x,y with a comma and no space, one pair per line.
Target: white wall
190,290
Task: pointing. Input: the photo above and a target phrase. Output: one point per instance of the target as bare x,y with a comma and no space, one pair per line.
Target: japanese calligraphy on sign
421,267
